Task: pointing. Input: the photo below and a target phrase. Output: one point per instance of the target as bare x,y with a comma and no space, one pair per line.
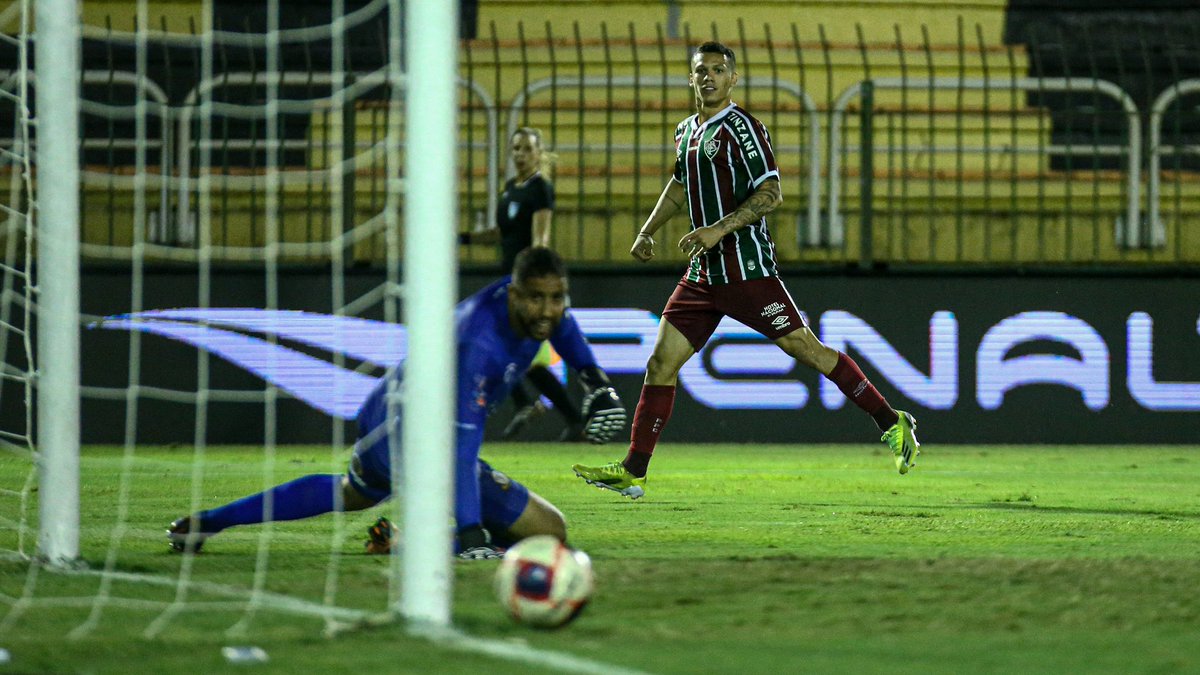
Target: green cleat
612,476
903,442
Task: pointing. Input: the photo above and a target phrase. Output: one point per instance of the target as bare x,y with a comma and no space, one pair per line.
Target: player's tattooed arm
765,199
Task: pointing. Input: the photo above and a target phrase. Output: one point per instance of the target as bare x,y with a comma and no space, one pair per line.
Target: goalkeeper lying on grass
498,332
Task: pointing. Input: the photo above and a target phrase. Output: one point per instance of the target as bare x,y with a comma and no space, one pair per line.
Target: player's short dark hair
537,261
714,47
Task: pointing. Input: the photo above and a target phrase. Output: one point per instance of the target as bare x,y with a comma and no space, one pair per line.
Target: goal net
241,199
16,348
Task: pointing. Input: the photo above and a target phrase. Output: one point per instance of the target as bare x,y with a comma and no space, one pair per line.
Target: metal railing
158,105
1128,229
1154,223
361,85
812,152
978,152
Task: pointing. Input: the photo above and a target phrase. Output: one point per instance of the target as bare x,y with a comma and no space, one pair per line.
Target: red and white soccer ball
542,582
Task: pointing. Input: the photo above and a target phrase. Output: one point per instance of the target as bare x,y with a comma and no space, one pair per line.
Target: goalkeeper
499,330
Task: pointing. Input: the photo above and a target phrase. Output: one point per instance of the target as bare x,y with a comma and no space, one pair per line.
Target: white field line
517,651
450,638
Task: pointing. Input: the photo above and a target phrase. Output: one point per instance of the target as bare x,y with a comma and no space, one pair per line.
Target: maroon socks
653,410
850,379
655,404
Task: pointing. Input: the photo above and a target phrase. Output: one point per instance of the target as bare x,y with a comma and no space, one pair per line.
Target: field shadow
1148,513
928,511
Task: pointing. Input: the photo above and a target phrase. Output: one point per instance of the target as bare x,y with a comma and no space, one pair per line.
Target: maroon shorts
762,304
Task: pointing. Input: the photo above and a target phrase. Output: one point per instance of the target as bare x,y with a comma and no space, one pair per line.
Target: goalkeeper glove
475,543
603,415
381,537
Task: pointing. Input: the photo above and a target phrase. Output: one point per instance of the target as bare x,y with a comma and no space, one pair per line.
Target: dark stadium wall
1144,48
980,359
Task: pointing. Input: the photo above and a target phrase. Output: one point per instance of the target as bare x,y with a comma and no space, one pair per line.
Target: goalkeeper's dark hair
713,47
537,261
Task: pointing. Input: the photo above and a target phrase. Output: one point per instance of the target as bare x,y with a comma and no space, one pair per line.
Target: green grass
741,558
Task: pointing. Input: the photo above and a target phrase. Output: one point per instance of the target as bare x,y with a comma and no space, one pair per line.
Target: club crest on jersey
711,146
481,400
513,209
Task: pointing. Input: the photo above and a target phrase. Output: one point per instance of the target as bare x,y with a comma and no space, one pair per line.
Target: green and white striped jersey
720,163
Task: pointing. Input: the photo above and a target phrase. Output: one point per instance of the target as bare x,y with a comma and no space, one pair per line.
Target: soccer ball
544,583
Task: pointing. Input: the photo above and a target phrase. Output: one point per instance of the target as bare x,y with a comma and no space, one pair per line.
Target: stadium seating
960,171
957,175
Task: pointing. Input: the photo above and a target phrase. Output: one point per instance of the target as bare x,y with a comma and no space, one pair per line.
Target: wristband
593,377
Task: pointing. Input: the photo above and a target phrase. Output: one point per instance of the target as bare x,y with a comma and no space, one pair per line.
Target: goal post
57,234
430,285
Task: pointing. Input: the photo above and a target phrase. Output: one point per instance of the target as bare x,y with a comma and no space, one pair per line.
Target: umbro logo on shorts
781,322
773,309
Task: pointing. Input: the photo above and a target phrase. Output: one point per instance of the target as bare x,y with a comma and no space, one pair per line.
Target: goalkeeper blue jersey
492,359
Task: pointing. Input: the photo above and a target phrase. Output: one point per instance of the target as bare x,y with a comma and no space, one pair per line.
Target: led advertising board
974,358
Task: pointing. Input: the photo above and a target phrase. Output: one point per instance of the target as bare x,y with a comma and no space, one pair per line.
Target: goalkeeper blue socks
305,497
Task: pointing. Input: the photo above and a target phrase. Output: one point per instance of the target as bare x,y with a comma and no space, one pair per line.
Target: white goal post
431,286
57,226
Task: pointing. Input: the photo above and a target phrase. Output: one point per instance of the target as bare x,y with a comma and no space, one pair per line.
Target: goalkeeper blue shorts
502,499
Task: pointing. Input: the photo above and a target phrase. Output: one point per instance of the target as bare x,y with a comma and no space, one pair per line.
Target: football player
499,331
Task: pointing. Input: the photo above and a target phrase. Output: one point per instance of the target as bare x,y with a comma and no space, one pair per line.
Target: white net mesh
16,342
16,349
241,199
219,166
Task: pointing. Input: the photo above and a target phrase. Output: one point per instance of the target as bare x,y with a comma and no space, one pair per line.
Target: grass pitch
741,558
